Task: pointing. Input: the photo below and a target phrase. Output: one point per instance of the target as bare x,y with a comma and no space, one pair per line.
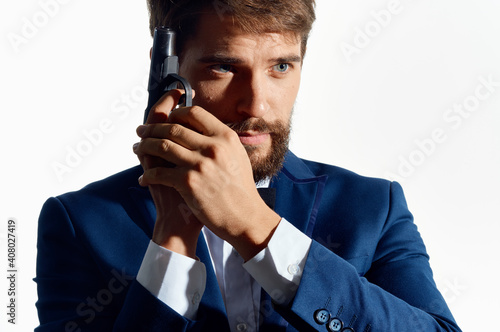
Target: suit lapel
298,193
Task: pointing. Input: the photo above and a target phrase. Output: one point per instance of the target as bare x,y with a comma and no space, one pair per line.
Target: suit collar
298,193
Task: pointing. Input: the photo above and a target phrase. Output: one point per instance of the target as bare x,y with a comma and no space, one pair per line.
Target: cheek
290,94
207,94
284,96
214,97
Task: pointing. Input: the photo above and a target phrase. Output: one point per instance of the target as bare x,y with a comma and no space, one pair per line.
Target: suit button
348,329
241,327
335,325
321,316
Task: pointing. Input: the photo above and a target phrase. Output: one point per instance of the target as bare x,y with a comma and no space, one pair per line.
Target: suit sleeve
396,294
76,294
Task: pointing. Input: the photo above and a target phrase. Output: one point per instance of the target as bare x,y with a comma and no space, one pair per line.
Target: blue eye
222,68
282,67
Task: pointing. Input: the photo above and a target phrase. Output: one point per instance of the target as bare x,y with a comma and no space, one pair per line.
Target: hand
176,227
213,175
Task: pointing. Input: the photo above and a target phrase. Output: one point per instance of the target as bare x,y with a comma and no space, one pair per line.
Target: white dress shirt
277,269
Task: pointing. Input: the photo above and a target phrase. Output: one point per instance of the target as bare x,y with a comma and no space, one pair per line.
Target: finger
198,119
160,111
148,161
174,132
160,176
165,149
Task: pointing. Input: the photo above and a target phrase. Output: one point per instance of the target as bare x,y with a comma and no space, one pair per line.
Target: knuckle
157,114
213,151
174,130
216,149
155,173
230,136
154,109
148,175
204,167
191,179
164,146
194,111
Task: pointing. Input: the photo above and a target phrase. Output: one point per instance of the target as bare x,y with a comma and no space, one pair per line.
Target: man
339,252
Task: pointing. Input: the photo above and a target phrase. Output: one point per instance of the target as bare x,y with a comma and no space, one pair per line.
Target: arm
214,179
162,268
78,293
193,159
396,294
68,280
72,269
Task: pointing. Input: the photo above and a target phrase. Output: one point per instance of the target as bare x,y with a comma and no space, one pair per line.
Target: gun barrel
166,41
163,73
163,48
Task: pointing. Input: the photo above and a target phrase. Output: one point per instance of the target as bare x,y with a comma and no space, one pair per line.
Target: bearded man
194,247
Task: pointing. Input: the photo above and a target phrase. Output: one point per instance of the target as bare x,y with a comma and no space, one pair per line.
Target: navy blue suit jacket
367,264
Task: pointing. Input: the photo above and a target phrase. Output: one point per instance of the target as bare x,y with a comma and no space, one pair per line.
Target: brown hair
253,16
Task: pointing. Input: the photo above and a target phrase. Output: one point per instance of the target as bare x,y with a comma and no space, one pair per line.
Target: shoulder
303,169
101,223
102,207
348,192
112,186
98,202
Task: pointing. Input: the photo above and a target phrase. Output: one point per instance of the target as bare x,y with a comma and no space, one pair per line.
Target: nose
254,96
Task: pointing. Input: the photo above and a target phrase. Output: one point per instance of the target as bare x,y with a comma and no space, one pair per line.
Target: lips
253,138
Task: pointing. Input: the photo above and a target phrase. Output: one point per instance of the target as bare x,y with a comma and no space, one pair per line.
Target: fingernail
141,130
140,180
135,146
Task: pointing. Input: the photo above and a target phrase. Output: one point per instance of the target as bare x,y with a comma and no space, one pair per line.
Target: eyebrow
289,58
220,58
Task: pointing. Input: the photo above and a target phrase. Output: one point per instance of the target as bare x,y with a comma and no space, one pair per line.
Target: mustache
258,125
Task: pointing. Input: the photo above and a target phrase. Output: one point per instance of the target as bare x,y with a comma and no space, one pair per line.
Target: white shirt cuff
278,268
162,268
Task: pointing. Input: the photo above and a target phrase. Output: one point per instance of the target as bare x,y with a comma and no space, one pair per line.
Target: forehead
219,34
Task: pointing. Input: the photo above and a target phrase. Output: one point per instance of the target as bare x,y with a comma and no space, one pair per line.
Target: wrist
256,238
178,245
182,241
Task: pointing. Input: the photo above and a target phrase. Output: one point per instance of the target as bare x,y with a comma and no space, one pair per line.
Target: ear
150,53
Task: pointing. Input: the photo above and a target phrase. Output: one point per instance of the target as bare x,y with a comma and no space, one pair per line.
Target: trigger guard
173,80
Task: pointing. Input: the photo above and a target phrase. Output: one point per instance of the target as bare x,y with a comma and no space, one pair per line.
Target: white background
86,61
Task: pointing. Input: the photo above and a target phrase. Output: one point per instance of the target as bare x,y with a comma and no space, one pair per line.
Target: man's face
248,81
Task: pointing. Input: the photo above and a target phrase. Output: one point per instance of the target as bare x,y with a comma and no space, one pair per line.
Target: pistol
164,70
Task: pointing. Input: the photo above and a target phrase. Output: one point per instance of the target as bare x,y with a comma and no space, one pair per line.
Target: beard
266,166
